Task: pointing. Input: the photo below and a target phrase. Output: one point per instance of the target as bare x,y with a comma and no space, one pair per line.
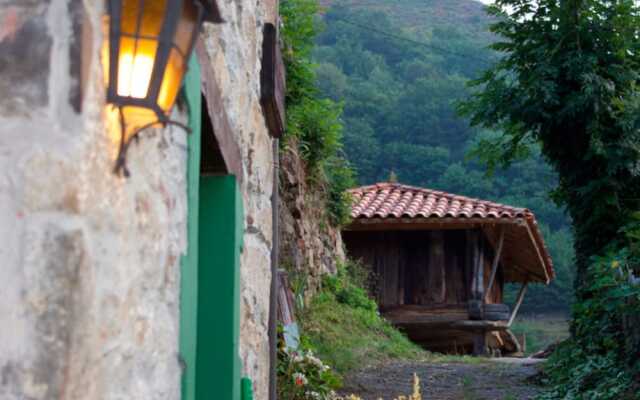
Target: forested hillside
399,68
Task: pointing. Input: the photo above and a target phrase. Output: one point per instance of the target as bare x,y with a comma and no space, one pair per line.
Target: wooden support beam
496,262
424,223
480,343
514,312
437,279
480,267
543,262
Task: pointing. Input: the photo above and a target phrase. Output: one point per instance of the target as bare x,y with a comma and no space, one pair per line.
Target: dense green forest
399,69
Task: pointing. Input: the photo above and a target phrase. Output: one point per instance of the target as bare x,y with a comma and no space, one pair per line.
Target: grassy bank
343,325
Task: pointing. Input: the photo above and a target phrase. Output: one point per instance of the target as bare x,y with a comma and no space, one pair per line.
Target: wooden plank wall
422,267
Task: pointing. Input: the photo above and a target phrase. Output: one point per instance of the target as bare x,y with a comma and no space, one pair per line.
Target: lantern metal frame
206,11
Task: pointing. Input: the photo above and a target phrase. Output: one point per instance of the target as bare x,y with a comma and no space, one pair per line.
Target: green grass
350,338
541,331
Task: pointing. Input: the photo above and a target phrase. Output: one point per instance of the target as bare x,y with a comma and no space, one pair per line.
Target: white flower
315,361
314,395
297,358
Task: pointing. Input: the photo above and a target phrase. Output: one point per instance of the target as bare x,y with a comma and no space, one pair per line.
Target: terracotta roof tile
391,200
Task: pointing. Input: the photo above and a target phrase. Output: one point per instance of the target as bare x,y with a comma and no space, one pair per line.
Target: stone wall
234,49
90,261
309,245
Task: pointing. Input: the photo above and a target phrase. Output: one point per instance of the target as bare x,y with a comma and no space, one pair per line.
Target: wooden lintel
226,140
521,294
496,262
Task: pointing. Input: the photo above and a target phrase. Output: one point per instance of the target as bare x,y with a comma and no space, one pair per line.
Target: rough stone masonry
90,262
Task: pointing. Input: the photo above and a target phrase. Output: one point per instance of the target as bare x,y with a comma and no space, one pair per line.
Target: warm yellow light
135,75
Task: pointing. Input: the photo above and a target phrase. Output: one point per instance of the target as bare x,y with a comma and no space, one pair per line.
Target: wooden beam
480,266
216,112
422,223
514,312
543,262
496,262
436,285
480,343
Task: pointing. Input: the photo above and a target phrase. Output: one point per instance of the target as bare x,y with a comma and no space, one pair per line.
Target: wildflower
416,388
615,264
299,379
314,360
314,395
297,358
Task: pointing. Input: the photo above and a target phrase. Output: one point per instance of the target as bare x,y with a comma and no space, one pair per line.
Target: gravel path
505,379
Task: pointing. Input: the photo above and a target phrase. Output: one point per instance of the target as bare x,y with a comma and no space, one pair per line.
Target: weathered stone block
25,48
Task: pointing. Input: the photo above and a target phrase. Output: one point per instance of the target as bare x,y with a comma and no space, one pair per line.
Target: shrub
600,361
303,376
347,289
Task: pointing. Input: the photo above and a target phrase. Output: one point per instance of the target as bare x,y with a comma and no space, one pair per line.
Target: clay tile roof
385,200
394,204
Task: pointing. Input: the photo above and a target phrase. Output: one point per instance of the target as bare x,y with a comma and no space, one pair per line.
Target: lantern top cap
212,11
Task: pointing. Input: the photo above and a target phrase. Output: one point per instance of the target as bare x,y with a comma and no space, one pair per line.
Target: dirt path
506,379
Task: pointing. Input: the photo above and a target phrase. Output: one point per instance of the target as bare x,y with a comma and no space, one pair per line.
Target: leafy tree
568,80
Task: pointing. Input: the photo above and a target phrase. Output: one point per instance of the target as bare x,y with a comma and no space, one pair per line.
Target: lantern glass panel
171,81
130,15
135,66
137,117
143,17
176,66
153,17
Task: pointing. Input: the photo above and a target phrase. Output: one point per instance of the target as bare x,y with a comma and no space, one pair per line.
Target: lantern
146,56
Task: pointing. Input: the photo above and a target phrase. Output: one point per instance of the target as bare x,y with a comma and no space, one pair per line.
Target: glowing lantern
147,49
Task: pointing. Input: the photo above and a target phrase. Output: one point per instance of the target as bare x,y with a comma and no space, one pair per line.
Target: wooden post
437,277
476,295
480,267
477,284
496,262
523,290
479,343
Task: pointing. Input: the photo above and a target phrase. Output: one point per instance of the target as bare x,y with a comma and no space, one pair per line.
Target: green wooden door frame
210,280
189,262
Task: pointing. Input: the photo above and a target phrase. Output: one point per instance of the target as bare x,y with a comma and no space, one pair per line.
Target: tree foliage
313,121
568,80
